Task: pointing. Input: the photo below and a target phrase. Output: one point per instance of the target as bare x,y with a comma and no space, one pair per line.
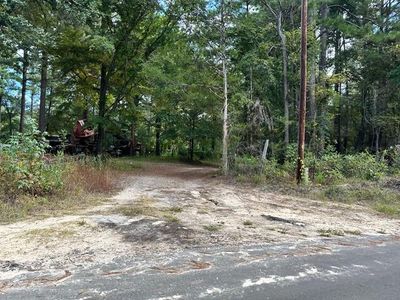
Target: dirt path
170,207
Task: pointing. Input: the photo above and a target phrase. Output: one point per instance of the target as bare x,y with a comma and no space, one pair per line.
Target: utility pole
225,74
303,93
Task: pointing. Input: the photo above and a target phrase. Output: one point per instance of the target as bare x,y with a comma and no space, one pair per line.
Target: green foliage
381,198
329,169
392,156
333,168
364,166
247,165
25,170
258,170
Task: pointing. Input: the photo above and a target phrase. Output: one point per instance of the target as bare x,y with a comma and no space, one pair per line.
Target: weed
330,232
49,233
131,211
283,230
90,179
142,207
82,223
171,218
388,209
212,228
124,164
353,232
175,209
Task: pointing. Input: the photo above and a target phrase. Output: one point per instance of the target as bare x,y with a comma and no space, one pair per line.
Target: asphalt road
331,269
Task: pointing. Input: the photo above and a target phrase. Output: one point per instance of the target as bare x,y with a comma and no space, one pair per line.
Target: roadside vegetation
197,81
359,178
33,183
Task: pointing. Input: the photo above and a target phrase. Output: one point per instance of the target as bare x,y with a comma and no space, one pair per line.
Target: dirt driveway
166,208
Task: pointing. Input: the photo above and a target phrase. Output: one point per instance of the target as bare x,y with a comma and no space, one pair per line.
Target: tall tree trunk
285,76
10,116
377,134
324,12
43,90
247,111
375,128
23,90
338,91
303,93
191,139
102,108
1,105
360,144
191,149
49,107
132,144
313,105
32,100
225,75
158,136
347,119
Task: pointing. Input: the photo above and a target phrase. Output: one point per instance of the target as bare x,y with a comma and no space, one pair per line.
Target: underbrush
33,183
376,195
354,179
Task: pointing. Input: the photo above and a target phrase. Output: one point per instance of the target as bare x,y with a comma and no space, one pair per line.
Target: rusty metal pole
303,93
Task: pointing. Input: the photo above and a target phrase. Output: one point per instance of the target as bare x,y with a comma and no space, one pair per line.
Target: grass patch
49,206
212,228
282,230
175,209
375,195
171,218
50,233
330,232
85,182
90,179
142,207
353,232
124,164
145,207
82,223
389,209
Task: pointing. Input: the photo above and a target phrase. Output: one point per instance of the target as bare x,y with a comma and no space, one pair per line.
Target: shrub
24,168
247,165
364,166
274,171
91,177
258,170
392,157
329,169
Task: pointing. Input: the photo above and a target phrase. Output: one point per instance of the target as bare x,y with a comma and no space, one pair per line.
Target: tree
303,93
130,32
225,76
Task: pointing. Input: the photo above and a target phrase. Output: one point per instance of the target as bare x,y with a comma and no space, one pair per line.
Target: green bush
392,157
259,170
329,169
247,166
364,166
274,171
24,168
